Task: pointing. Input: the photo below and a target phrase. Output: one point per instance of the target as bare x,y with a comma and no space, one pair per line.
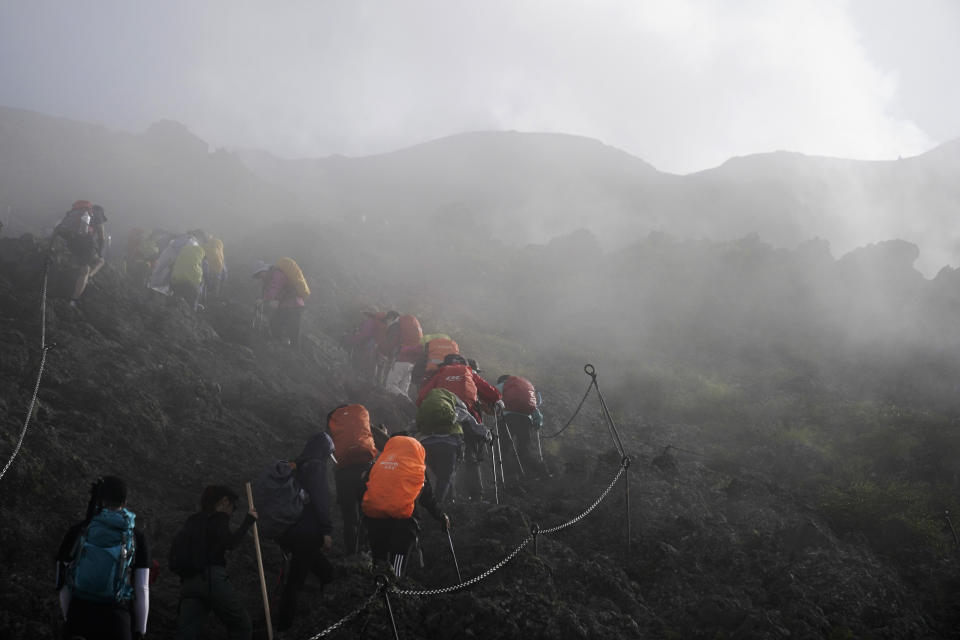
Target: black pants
470,471
390,537
307,557
348,481
442,461
286,324
520,428
87,619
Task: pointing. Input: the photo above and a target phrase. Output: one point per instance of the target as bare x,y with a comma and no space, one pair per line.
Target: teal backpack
102,563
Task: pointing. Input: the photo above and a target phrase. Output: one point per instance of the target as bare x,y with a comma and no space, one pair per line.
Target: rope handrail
43,359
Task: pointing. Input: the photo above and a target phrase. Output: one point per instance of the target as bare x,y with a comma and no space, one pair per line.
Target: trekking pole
503,479
263,580
453,553
493,459
539,446
956,540
512,442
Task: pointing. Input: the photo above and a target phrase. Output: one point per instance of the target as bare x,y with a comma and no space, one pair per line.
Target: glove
499,405
488,437
444,523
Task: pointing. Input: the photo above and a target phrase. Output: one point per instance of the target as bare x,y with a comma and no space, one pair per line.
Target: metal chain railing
471,581
576,411
347,618
623,467
43,359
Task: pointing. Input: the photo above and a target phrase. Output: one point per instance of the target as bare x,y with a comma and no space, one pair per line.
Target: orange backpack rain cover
395,479
349,427
437,350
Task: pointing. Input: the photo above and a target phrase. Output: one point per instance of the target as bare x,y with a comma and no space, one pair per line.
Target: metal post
382,586
626,485
592,372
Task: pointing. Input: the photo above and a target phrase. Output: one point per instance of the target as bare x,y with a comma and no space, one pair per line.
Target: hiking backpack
188,553
410,331
101,565
291,269
437,414
349,427
458,379
279,498
437,350
395,480
519,395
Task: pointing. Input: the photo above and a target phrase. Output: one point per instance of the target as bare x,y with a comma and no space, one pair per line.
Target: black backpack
188,553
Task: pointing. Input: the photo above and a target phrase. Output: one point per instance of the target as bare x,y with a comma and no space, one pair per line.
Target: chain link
468,583
36,386
347,618
569,523
530,538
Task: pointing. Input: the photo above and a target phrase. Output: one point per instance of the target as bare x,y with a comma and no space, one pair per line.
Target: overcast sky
681,84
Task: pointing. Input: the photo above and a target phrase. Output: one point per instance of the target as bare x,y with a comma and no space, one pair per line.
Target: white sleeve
64,600
141,599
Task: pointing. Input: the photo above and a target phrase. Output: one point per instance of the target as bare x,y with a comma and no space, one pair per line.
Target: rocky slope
141,386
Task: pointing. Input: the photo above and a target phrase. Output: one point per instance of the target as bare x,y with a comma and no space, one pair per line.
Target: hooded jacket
312,475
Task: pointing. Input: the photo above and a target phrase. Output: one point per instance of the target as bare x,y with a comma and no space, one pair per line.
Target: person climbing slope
103,569
198,556
521,412
349,427
284,289
397,481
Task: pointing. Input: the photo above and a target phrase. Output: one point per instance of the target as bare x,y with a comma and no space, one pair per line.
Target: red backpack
458,379
349,427
519,395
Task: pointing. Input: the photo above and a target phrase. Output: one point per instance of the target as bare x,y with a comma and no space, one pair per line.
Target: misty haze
624,320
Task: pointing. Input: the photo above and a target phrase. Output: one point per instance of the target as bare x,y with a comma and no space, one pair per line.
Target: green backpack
437,414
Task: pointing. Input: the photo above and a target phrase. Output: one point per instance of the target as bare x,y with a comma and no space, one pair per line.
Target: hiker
476,438
216,273
349,427
456,375
395,483
523,418
160,277
198,556
284,289
405,336
83,230
442,437
103,569
188,274
306,540
363,341
385,344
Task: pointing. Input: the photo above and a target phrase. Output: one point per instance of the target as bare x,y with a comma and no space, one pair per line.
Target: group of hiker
104,563
187,265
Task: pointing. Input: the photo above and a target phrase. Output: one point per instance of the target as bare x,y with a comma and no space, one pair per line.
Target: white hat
260,267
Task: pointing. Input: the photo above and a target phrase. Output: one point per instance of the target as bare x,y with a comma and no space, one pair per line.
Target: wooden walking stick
263,580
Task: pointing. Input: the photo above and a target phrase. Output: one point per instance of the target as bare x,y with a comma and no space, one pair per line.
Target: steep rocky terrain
722,544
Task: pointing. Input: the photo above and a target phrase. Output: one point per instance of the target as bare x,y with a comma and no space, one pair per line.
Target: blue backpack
102,564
